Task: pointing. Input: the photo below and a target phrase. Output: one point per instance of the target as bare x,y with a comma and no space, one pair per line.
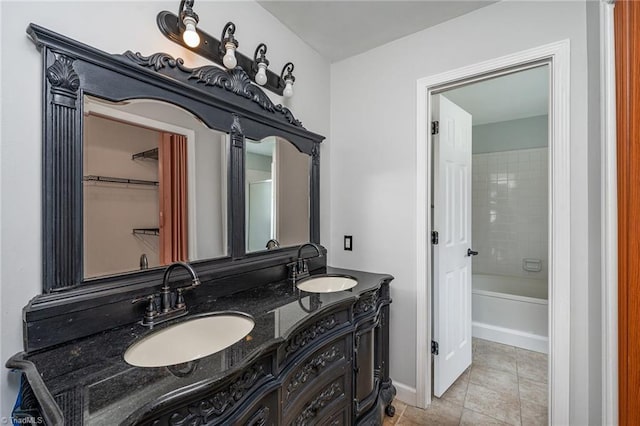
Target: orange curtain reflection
173,198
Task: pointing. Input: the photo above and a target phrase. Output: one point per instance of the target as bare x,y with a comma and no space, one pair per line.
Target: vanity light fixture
260,64
288,80
189,20
182,29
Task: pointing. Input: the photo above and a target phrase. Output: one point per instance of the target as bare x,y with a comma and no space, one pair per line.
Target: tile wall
510,211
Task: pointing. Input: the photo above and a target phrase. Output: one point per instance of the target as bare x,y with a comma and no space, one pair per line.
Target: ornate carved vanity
311,358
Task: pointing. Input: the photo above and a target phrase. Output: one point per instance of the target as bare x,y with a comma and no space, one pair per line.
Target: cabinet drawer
308,370
317,405
313,334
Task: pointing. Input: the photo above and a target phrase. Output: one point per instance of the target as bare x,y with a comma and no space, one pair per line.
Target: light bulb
190,36
288,89
229,59
261,76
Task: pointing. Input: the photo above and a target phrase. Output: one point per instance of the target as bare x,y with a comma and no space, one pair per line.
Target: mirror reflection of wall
277,193
167,197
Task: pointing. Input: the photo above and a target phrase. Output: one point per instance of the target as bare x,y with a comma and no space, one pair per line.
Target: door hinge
434,237
435,349
435,127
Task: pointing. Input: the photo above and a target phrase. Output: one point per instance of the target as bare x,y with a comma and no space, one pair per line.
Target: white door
451,261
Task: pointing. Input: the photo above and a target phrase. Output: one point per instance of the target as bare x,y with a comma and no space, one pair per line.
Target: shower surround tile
510,211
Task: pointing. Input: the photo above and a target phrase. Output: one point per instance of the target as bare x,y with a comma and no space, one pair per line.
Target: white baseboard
405,393
520,339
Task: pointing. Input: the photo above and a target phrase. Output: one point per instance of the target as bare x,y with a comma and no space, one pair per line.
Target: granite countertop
91,380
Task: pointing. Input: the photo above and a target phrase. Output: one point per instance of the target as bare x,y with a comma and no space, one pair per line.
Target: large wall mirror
154,187
147,161
277,187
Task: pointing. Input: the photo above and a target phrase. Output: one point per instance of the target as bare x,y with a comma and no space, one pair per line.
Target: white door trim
609,214
557,56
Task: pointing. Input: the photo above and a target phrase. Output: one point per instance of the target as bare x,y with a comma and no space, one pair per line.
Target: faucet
300,268
165,292
272,244
167,310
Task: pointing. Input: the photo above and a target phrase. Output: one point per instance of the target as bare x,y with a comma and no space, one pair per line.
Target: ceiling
510,97
340,29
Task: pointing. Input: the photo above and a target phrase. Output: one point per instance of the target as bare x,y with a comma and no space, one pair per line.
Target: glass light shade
229,60
261,75
288,89
190,36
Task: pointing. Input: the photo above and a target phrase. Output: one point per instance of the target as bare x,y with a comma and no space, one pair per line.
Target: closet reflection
154,187
277,194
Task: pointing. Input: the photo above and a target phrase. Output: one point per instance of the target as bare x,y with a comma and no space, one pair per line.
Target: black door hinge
435,127
435,348
434,237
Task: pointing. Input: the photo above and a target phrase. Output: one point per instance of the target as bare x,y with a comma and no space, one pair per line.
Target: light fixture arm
288,68
227,37
186,9
262,51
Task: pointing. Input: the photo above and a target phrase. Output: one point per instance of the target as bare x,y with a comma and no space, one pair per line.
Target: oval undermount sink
189,340
327,283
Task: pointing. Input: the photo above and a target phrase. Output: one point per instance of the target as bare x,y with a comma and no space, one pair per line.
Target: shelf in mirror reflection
189,170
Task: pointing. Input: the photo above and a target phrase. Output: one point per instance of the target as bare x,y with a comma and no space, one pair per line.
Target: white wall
373,134
113,27
524,133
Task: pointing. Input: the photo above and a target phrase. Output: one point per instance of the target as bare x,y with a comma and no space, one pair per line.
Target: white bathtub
511,310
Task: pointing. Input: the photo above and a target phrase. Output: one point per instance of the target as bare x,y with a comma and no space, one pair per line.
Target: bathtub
511,310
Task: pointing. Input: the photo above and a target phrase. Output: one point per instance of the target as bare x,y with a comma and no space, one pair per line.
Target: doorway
556,57
490,262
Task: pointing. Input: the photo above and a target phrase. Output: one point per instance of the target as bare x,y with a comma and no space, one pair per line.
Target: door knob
471,252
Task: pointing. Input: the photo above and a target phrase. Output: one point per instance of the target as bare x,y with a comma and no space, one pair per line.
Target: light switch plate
348,243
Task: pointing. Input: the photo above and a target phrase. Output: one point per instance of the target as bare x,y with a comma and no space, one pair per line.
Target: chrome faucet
168,310
300,268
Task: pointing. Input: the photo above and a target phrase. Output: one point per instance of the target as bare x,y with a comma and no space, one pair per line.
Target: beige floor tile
439,413
458,390
503,406
495,359
533,392
498,380
532,365
486,346
534,414
472,418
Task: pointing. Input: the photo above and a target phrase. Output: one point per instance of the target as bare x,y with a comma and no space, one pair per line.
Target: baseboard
520,339
405,393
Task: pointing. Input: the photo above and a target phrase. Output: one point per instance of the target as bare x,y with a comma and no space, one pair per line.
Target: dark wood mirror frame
225,100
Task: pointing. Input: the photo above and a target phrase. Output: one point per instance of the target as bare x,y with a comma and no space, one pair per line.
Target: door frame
557,56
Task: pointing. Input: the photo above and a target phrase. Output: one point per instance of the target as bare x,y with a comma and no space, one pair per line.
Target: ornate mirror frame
224,100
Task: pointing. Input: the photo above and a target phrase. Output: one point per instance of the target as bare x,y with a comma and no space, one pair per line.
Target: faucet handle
151,311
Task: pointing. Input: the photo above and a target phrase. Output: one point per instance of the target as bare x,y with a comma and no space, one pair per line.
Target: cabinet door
264,412
365,364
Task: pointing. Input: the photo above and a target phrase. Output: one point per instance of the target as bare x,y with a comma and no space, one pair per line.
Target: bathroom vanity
311,357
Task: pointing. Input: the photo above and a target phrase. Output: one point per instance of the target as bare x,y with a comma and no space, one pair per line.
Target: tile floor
504,386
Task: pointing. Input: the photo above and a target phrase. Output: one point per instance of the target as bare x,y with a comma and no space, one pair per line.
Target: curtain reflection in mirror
173,198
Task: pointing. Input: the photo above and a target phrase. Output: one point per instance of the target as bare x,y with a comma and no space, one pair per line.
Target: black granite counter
91,381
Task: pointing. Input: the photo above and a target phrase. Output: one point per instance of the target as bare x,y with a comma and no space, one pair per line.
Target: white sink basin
189,340
327,283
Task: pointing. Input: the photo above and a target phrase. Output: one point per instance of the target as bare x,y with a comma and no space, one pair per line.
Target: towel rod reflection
110,179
